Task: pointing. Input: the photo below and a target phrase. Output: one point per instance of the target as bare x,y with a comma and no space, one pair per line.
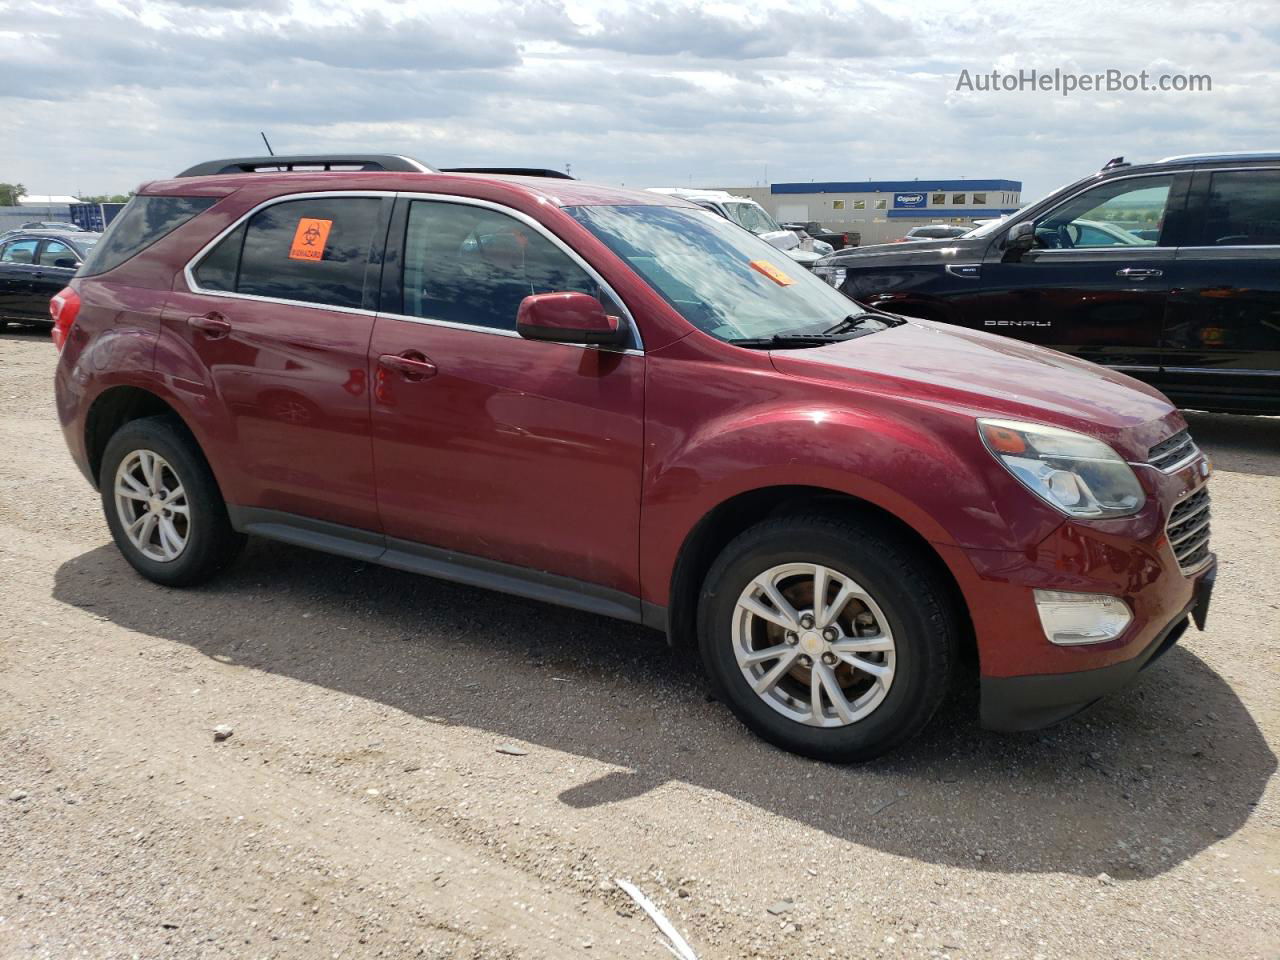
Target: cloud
101,94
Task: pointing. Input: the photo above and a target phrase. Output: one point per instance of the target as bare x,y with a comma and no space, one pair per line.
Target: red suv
610,400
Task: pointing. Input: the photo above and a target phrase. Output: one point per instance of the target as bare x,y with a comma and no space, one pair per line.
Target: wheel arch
121,404
709,536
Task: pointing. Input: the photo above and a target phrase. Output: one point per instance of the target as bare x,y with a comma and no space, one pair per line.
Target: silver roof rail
1223,157
309,163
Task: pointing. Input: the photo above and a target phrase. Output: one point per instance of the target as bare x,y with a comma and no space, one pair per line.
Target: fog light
1073,618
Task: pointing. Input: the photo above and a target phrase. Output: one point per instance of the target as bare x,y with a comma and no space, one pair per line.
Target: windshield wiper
855,320
790,340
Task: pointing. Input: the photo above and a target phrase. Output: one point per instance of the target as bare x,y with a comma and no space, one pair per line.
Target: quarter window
315,250
472,265
142,222
1243,209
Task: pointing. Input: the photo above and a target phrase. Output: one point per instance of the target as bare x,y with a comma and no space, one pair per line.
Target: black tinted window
1243,209
473,265
221,266
314,251
142,222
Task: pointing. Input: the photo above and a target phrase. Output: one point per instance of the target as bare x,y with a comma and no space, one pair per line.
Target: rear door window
142,222
1243,209
55,250
314,250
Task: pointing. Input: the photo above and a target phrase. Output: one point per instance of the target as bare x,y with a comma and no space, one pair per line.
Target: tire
912,659
208,542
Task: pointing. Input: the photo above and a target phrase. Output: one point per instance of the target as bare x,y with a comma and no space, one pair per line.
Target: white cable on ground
679,946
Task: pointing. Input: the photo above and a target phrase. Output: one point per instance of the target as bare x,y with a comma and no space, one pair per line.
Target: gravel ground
363,805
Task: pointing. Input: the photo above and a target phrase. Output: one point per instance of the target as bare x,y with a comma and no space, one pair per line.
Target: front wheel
828,637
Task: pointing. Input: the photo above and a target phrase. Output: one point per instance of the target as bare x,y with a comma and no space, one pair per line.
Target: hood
955,250
988,375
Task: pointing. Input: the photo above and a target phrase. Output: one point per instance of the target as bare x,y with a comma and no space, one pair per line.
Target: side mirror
69,263
1020,238
568,318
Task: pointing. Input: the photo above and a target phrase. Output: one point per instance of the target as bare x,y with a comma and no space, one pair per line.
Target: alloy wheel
813,644
152,506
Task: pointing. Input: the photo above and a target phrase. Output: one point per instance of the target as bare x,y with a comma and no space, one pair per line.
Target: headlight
833,275
1078,475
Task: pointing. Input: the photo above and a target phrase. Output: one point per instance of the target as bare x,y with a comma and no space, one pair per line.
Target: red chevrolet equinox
615,401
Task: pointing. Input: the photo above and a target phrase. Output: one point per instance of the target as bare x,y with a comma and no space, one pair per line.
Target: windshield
752,216
721,279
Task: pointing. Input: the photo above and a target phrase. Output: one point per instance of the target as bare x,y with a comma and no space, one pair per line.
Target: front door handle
1138,273
411,364
213,325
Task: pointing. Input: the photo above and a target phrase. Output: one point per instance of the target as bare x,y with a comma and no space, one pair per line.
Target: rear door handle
213,325
1138,273
411,364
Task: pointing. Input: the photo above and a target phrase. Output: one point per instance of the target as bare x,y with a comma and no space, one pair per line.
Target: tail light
63,308
846,238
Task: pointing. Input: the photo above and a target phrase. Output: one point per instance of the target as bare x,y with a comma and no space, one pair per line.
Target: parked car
1165,271
837,240
610,400
749,215
35,265
932,231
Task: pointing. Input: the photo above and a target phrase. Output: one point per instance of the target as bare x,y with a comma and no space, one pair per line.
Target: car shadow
1236,443
1145,780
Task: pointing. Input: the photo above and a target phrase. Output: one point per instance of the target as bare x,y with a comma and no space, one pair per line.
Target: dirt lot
362,807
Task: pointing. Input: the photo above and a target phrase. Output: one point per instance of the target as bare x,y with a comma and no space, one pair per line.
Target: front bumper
1032,701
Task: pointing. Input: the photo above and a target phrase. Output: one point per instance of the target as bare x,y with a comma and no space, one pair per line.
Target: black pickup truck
839,241
1168,271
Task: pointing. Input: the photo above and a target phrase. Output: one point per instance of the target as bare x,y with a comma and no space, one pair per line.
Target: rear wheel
162,504
827,637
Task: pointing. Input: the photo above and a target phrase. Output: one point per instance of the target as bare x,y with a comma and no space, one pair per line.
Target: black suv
1167,271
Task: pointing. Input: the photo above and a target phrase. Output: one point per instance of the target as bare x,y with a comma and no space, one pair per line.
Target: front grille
1173,452
1188,530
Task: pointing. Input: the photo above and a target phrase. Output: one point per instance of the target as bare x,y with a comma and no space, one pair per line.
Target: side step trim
435,562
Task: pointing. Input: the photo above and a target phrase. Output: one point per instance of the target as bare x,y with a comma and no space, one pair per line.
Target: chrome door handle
1138,273
213,325
411,365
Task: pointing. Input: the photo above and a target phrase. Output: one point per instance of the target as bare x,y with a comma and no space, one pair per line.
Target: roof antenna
263,134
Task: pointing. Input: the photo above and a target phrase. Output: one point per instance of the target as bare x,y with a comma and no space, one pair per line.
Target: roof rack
304,163
511,171
1217,156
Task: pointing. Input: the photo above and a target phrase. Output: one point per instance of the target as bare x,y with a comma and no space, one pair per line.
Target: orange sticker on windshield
309,239
772,272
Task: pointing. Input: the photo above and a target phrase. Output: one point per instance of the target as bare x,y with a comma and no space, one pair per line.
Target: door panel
1098,280
1079,302
17,263
1222,332
520,451
278,327
293,381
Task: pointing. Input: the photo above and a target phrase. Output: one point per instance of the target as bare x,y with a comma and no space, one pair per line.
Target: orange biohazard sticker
772,272
309,239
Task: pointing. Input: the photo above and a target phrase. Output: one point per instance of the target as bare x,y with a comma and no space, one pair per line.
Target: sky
98,96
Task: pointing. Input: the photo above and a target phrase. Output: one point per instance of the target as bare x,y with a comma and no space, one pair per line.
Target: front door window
1123,213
